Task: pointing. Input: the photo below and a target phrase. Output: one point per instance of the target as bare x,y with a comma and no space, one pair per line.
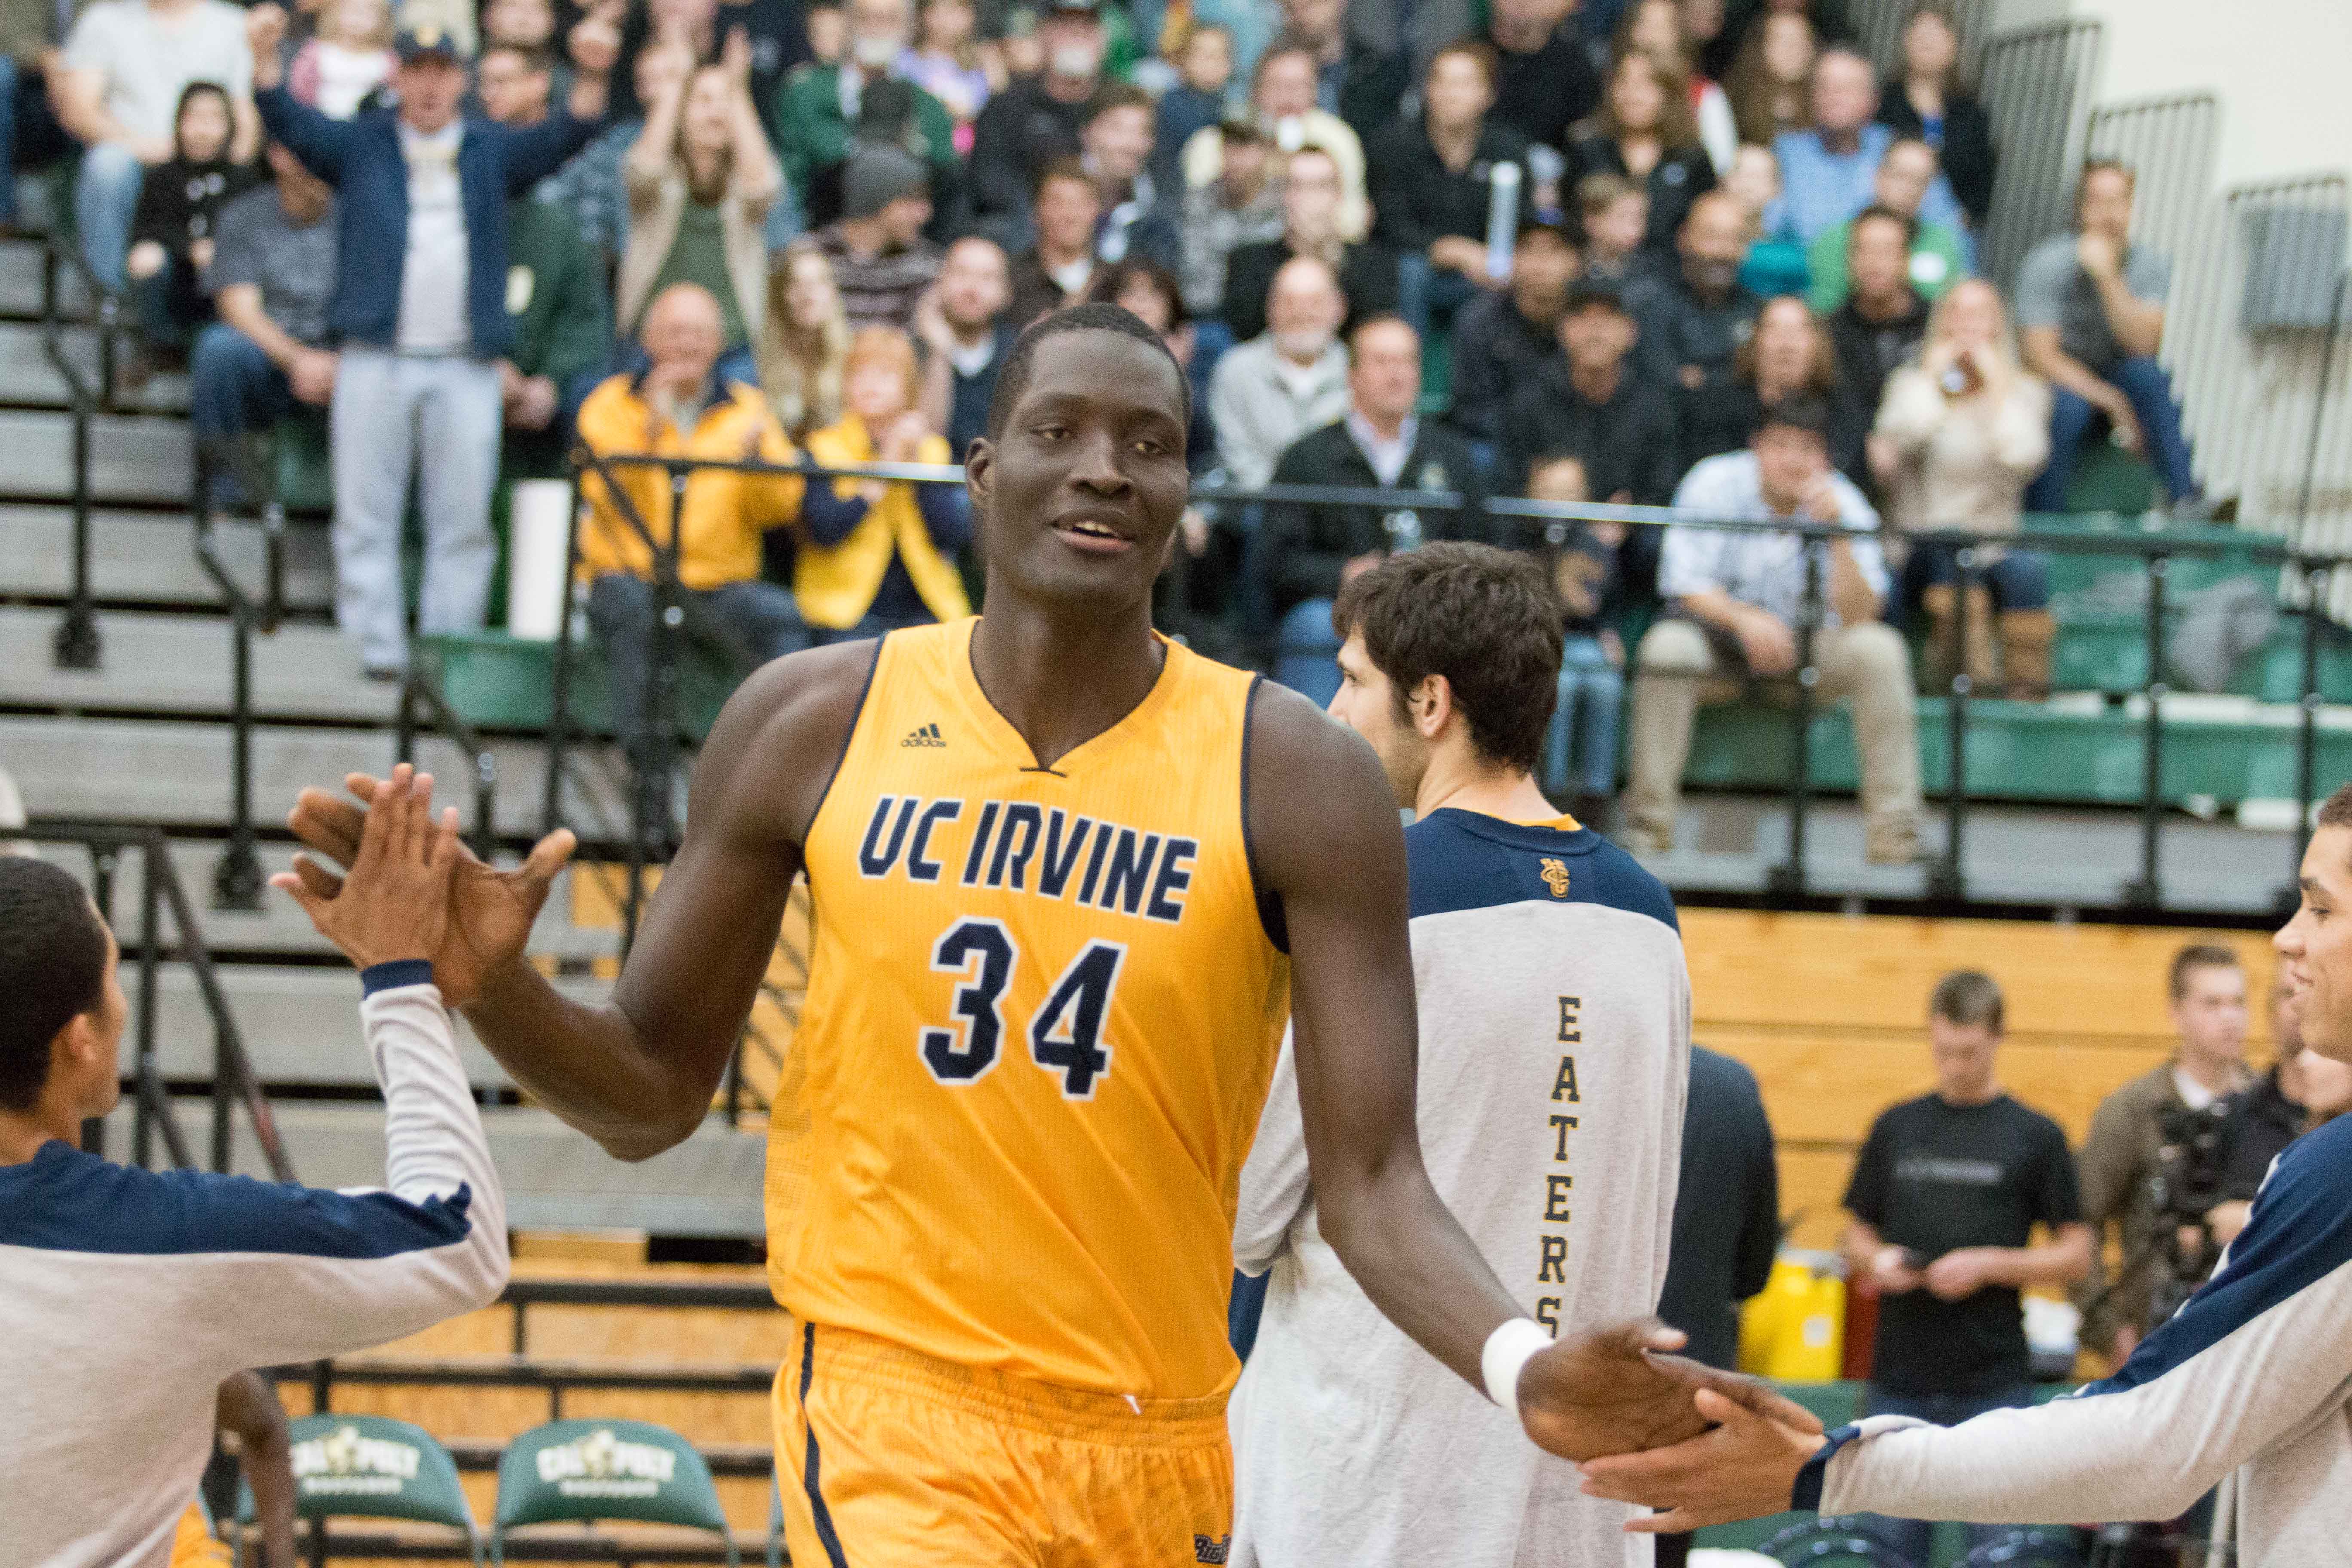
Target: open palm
490,911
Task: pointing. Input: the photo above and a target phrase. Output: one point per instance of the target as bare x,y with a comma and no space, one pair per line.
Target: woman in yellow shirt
875,555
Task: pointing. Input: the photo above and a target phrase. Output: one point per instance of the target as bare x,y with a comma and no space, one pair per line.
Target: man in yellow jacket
678,407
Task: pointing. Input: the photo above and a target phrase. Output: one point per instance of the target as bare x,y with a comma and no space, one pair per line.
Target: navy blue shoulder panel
1464,860
63,1200
2299,1233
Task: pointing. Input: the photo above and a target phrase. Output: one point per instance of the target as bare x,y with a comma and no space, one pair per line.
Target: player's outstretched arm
638,1072
1323,828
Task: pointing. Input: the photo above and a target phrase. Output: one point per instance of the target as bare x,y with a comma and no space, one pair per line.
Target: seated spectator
1580,763
1940,257
1589,401
828,32
1198,101
1312,202
878,555
949,63
1694,318
592,187
126,64
1544,81
1789,355
1057,270
1379,445
172,232
1770,86
805,347
1116,150
1357,78
273,273
420,310
349,57
1504,338
1150,293
1963,430
1286,381
516,23
30,136
679,407
881,262
1035,121
2091,305
1644,133
700,181
1883,319
1430,187
1243,205
1829,171
1775,264
1613,216
817,113
1283,103
1734,600
961,327
1932,102
555,287
1654,28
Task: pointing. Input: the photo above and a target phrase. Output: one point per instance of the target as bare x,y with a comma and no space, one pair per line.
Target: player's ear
1432,704
979,471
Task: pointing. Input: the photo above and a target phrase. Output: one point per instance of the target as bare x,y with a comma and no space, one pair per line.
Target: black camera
2185,1186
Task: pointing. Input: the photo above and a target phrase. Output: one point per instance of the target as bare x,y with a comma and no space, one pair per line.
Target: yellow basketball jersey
1042,1013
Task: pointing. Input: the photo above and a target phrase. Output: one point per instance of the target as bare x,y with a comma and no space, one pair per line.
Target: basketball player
1556,1044
1069,880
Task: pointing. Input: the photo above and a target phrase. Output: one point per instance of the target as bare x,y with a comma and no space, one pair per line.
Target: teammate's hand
489,910
1744,1467
396,902
1613,1389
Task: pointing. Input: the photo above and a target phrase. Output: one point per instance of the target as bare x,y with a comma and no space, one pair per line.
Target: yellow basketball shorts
194,1545
885,1457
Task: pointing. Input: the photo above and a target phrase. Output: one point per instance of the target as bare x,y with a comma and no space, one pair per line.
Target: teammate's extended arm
1323,829
637,1073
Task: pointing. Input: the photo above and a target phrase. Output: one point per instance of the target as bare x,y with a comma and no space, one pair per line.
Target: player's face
1081,494
1964,1057
2315,948
1367,704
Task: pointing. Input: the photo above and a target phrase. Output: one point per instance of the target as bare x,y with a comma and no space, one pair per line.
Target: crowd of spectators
1674,252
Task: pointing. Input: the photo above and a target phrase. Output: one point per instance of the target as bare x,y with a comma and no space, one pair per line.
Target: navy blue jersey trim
63,1200
1463,860
849,739
1806,1496
827,1536
394,973
1269,903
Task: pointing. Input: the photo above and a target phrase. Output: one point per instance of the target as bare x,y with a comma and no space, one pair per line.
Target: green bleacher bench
494,681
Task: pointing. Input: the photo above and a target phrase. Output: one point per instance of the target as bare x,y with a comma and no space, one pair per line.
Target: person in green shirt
820,107
1939,255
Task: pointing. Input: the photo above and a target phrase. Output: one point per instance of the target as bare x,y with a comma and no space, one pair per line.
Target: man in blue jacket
420,309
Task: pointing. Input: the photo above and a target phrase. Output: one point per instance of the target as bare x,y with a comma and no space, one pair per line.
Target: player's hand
1614,1389
489,910
394,904
1744,1467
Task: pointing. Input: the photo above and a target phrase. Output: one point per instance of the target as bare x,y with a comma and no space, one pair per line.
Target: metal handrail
77,644
234,1083
236,876
418,689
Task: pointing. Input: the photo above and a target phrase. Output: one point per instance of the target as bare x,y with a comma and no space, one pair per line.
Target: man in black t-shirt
1944,1196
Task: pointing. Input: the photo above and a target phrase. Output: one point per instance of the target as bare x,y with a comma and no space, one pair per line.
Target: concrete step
27,376
555,1178
175,772
150,558
183,664
133,457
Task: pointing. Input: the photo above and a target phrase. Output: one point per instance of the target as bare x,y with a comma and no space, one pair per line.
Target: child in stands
350,59
172,231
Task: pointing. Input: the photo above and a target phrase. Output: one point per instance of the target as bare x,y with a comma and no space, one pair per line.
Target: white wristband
1507,1350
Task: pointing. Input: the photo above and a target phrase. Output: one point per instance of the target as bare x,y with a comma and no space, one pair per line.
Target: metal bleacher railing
234,1085
89,392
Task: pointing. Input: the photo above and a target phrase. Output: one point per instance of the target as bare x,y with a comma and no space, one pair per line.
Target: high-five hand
489,910
395,903
1743,1467
1614,1389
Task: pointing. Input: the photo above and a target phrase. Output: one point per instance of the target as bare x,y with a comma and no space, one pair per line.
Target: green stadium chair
584,1470
370,1467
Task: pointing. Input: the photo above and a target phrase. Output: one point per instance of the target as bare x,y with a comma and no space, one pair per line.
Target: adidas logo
924,735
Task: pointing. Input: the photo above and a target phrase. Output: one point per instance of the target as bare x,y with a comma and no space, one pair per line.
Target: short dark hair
1065,168
1484,618
1117,95
1013,381
535,60
2336,810
1798,411
1109,282
1969,998
1378,319
52,969
1879,213
2198,955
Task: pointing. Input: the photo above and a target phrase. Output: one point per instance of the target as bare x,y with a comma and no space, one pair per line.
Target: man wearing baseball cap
420,311
1038,120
